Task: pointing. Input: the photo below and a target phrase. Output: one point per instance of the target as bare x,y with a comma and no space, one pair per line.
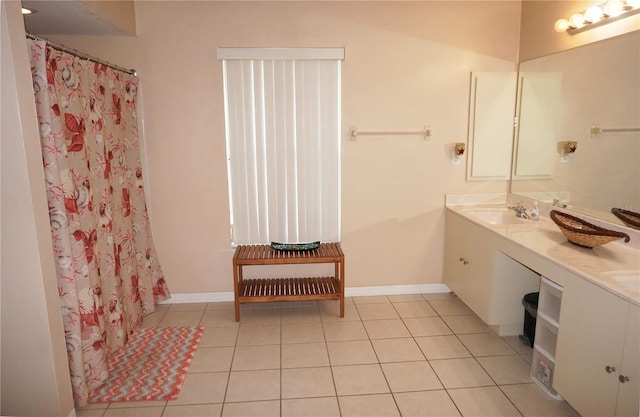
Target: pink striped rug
151,367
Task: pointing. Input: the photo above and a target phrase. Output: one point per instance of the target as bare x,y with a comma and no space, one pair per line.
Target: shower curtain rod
61,47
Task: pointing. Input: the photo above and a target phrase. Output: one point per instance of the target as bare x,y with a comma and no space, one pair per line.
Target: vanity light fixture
457,152
567,148
570,146
28,10
596,16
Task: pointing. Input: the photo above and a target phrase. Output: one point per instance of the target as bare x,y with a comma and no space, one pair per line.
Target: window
282,117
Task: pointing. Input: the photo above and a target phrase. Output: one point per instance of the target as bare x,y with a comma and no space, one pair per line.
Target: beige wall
407,64
35,373
119,12
539,38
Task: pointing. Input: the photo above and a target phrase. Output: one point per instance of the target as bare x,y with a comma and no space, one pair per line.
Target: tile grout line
333,378
233,355
434,371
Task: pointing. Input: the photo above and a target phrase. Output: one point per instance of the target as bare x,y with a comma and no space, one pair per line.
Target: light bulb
613,8
576,21
593,14
562,25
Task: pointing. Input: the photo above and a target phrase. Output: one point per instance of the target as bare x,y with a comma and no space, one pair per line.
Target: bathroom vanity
587,333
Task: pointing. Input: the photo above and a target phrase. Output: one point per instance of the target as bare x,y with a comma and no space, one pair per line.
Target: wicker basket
582,233
629,218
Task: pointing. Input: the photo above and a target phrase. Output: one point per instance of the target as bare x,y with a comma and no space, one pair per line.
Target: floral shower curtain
108,272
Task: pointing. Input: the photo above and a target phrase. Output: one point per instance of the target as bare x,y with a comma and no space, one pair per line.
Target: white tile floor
411,355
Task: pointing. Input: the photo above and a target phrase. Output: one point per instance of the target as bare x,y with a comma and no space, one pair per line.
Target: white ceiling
67,17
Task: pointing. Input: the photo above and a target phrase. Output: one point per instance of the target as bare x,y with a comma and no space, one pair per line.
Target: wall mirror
561,96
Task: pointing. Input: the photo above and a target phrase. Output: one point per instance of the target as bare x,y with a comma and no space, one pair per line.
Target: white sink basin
628,279
495,215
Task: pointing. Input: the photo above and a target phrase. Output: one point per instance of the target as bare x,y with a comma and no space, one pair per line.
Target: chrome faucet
520,210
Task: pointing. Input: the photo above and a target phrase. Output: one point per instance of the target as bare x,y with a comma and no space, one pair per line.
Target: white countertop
545,239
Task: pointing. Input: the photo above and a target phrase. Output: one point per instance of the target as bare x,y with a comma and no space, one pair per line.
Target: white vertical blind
283,149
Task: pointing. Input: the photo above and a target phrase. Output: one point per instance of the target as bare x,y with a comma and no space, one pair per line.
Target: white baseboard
215,297
200,297
396,290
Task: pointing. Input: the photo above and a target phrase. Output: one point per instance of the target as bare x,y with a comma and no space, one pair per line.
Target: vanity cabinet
467,263
628,403
489,282
587,345
597,354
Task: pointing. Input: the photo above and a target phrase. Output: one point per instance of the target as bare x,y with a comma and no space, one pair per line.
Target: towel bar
426,132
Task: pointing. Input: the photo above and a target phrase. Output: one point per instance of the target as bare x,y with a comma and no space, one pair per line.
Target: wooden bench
287,289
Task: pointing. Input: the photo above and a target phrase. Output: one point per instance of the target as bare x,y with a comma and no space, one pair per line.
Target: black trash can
530,303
